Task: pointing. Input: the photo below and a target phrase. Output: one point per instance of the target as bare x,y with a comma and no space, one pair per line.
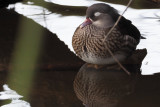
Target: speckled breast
88,42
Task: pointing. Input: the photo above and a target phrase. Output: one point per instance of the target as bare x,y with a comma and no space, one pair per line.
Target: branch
119,18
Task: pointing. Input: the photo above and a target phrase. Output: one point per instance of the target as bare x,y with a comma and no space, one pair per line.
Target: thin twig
119,18
118,61
44,16
111,31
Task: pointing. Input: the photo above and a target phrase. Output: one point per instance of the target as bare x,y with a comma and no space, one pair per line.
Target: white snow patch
13,96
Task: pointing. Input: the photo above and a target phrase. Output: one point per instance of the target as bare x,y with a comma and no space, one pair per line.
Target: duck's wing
127,28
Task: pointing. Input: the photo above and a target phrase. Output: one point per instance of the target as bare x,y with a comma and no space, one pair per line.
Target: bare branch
118,62
119,18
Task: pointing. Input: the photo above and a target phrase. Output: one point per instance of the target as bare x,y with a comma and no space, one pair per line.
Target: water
55,88
108,86
65,25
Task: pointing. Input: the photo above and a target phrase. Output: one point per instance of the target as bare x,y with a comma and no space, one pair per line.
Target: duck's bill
85,23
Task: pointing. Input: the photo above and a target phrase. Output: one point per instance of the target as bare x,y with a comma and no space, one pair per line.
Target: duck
89,40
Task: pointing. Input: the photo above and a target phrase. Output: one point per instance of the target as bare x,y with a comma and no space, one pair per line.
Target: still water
64,21
92,86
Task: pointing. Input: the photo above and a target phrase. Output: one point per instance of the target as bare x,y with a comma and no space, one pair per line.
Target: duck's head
100,15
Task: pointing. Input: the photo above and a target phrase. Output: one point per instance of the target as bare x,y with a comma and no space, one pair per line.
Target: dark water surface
55,89
61,78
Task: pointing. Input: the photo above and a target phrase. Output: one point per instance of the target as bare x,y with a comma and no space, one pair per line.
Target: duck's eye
97,13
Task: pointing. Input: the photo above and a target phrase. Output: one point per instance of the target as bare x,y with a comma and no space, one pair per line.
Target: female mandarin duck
88,40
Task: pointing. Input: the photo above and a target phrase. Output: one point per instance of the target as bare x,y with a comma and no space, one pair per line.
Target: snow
13,96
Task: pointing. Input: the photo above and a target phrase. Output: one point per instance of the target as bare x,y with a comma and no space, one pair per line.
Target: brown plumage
88,39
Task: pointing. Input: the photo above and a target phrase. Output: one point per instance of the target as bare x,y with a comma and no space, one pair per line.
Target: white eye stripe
97,13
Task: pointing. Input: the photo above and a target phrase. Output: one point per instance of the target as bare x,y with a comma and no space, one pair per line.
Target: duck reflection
106,85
